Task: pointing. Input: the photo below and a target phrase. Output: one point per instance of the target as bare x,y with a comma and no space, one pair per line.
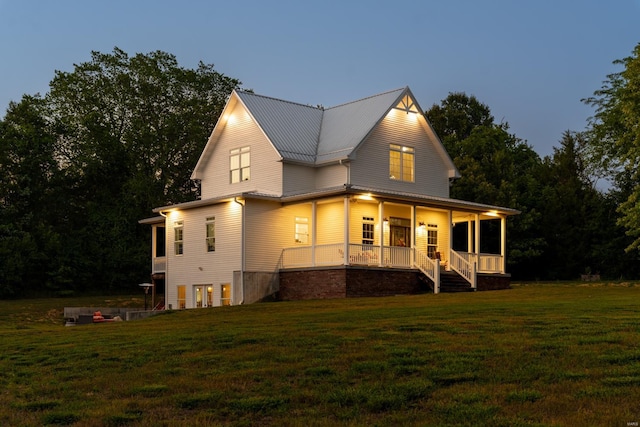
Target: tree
130,130
28,239
614,137
457,116
497,168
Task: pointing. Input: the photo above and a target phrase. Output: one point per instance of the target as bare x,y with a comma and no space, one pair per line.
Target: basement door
202,296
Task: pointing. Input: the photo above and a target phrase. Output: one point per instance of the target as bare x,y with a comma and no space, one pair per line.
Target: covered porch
401,234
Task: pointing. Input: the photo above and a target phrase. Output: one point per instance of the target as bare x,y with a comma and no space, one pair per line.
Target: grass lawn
537,355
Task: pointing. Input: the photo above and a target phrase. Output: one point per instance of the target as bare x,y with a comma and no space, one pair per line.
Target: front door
400,229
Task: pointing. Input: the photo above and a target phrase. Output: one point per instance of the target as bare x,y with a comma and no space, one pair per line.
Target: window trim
210,240
178,238
301,230
406,163
368,230
240,172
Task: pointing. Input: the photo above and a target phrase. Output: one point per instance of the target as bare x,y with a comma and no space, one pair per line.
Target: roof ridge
367,97
281,100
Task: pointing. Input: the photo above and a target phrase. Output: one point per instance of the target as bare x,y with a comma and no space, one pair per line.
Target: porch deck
468,265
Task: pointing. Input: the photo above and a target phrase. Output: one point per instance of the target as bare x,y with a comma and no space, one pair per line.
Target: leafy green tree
571,211
28,239
614,137
497,168
130,130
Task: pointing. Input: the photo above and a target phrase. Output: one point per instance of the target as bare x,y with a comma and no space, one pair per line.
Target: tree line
121,134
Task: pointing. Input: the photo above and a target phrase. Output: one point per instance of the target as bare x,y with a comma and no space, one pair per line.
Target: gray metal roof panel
345,126
292,128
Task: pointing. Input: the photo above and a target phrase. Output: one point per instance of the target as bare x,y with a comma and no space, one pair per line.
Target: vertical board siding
266,169
197,266
371,166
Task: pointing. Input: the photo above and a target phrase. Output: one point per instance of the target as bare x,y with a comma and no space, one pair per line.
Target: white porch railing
490,263
397,256
310,256
159,264
485,263
465,265
430,267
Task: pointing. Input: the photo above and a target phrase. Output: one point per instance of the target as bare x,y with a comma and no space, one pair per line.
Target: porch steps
450,281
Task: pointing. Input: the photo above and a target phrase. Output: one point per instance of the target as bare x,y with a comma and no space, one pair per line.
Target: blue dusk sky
531,62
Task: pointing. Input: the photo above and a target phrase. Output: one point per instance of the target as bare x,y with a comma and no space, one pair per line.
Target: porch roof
384,195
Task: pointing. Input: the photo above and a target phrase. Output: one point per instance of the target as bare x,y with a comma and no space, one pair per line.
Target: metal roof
302,133
292,128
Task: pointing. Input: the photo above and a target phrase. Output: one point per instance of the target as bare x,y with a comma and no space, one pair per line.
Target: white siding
197,266
371,166
266,169
330,227
270,228
298,178
334,175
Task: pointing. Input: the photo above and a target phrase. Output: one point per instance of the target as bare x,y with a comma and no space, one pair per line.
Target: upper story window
211,234
240,164
178,237
401,163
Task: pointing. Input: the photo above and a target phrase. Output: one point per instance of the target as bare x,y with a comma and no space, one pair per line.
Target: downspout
242,254
166,263
346,165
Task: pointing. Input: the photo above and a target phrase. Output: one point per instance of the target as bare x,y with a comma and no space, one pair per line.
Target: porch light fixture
422,224
491,213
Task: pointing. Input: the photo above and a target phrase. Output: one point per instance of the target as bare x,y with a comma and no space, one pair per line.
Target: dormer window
401,163
240,164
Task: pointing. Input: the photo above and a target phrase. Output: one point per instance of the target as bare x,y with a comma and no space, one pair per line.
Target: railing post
474,276
436,278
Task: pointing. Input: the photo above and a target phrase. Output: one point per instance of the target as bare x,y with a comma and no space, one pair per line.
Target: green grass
535,355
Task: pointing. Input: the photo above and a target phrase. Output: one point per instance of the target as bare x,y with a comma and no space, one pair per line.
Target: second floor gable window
401,163
240,164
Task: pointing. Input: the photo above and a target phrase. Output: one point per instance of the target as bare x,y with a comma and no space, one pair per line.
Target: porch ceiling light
491,213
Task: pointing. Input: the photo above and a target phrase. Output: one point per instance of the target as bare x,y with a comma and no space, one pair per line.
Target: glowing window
302,230
211,234
401,163
178,233
240,164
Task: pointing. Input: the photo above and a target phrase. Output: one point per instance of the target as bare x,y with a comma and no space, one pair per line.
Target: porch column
503,243
470,236
477,240
413,235
381,231
346,230
313,233
450,244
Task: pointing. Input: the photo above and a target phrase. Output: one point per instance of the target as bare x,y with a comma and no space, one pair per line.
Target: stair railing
430,268
464,268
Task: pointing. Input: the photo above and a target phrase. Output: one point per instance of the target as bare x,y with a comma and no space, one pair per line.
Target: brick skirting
353,282
347,282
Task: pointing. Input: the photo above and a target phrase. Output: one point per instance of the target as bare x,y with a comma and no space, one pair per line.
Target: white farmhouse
309,202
